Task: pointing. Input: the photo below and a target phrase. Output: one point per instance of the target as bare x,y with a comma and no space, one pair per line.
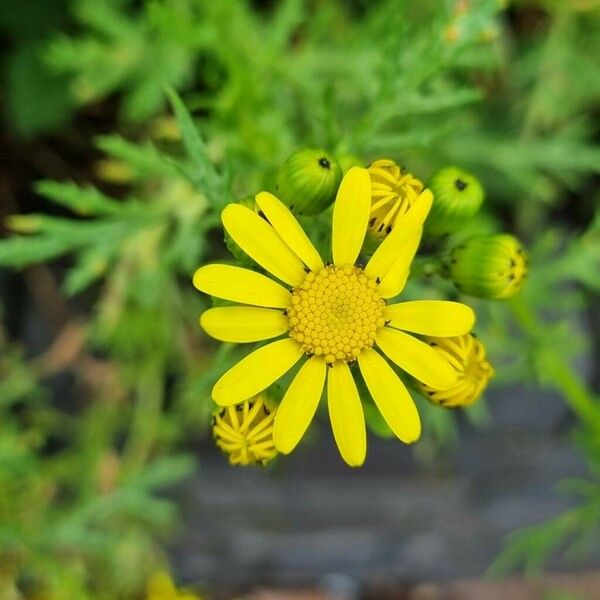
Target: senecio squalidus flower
328,316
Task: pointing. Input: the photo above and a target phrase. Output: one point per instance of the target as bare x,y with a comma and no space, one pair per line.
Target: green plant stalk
560,373
146,418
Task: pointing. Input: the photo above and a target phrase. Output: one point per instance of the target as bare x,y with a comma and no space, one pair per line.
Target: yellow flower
245,432
393,192
466,354
333,315
161,587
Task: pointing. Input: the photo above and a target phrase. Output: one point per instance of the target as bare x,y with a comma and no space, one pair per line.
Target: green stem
146,417
559,372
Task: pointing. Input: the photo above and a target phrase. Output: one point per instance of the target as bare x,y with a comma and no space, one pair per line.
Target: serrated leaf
202,173
18,252
418,103
146,159
79,233
192,140
83,201
89,268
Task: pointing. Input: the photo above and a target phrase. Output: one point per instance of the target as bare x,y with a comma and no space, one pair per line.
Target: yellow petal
395,279
256,372
416,357
299,405
289,230
389,250
351,216
390,396
431,317
262,243
161,585
240,324
346,414
241,285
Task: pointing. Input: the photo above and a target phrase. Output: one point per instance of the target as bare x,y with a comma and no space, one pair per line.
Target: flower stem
558,371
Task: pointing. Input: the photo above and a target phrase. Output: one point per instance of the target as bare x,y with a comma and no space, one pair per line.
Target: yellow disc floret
336,313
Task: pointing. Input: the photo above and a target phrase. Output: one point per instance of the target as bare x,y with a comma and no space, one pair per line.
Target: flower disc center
336,313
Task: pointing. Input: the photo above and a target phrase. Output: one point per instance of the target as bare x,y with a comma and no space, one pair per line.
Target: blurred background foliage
128,190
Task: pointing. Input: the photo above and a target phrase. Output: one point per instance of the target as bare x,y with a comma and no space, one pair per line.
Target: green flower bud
487,266
457,197
308,181
237,252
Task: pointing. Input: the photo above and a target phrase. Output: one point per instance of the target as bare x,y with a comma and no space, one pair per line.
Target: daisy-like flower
329,316
467,356
245,432
393,191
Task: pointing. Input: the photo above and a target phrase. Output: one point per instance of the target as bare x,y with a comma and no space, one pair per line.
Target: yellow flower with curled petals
467,356
245,432
333,315
161,587
393,191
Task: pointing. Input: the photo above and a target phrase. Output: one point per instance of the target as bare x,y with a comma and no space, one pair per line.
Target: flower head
393,192
467,356
327,317
488,266
245,432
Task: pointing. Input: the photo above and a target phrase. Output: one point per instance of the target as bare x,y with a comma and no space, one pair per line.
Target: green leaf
193,142
146,159
203,172
77,233
90,267
83,201
19,252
